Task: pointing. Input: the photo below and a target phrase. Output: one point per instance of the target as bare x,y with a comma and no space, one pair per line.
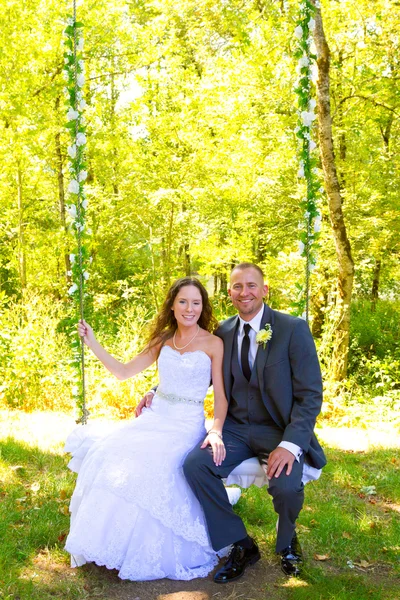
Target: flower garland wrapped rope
311,225
80,259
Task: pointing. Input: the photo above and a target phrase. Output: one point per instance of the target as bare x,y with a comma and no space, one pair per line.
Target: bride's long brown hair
165,323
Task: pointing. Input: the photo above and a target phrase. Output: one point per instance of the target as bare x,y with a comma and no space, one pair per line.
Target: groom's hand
144,403
278,460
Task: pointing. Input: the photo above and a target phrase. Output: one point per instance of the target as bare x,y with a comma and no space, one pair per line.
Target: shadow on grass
339,587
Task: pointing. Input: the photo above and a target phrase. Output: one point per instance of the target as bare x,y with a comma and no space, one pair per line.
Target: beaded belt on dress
174,399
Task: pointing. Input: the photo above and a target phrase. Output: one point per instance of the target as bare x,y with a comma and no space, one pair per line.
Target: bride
132,509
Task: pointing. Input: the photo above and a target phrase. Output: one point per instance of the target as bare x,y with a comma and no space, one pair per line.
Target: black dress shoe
237,562
291,558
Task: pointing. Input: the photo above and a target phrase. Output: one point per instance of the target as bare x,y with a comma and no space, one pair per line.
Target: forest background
192,167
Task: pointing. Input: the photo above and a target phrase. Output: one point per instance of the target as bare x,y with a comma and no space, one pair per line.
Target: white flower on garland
72,289
73,187
307,118
304,62
312,104
72,211
72,258
82,176
86,275
85,204
313,73
300,172
312,145
311,24
298,32
72,151
72,114
301,247
82,104
79,45
70,21
80,139
317,223
80,80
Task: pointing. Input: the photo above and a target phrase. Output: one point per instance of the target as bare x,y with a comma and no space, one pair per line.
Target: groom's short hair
248,265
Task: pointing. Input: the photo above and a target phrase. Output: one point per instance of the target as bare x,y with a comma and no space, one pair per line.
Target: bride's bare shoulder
213,342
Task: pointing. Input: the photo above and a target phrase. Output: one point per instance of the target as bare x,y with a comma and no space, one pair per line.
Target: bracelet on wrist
216,433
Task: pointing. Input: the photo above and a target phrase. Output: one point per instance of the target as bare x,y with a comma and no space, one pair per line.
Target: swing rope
79,150
79,261
310,226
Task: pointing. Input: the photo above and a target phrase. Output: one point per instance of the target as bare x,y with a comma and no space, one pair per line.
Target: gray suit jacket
289,377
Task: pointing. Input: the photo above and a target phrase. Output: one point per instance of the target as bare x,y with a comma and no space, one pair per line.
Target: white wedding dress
132,509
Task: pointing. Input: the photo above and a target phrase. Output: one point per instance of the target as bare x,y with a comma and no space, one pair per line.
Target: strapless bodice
184,376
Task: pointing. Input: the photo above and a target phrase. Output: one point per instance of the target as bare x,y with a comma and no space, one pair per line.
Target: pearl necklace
186,345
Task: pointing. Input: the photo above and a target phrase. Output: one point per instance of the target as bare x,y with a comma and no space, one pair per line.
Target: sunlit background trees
192,168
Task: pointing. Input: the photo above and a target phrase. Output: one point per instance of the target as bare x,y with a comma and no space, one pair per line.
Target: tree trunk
342,135
186,257
113,102
386,132
342,244
319,303
21,231
223,283
375,284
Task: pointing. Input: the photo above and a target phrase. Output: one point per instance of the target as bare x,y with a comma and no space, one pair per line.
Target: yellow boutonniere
264,335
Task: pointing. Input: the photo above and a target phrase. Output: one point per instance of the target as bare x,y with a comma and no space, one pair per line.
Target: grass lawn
349,527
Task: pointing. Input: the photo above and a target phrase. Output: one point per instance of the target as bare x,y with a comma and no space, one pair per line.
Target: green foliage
374,330
374,365
191,166
33,355
38,369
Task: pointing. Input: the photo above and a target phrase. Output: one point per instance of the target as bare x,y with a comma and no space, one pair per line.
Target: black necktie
244,354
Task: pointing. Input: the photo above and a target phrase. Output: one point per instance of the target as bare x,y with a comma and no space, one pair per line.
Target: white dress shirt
255,325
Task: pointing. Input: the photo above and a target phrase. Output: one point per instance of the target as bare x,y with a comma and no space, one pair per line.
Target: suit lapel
262,353
229,337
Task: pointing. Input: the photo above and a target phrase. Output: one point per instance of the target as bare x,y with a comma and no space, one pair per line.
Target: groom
274,390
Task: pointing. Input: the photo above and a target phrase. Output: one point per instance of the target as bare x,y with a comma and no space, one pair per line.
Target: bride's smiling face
187,305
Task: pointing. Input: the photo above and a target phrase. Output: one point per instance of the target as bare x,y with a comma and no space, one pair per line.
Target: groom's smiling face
247,291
